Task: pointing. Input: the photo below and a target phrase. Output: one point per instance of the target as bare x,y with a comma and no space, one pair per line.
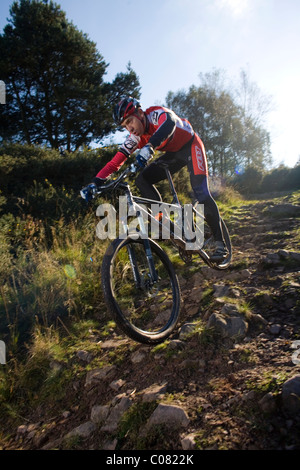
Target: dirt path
229,388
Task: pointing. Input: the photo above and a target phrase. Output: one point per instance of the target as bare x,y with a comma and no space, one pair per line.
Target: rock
275,329
291,394
154,392
99,413
115,415
117,384
84,430
110,445
22,429
170,415
230,309
138,356
268,403
177,344
286,210
220,290
186,330
84,356
228,327
98,375
188,442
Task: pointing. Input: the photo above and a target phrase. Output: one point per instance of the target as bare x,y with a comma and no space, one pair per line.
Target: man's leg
153,174
197,165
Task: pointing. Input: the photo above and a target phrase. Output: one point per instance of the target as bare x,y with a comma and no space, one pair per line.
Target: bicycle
139,282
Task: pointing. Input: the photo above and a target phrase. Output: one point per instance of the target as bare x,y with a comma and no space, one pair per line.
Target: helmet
125,108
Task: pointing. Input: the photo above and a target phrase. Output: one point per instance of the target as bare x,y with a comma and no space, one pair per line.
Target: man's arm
129,146
167,125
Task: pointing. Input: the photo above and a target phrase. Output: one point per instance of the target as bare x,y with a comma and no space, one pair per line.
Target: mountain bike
139,282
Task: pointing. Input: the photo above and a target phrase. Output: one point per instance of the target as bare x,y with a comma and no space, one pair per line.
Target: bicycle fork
138,280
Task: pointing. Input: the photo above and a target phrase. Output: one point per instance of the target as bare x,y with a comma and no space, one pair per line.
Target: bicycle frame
139,206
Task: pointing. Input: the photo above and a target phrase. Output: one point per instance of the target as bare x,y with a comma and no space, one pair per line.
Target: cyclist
159,128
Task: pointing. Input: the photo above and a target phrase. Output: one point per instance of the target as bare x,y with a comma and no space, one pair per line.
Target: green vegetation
56,93
51,303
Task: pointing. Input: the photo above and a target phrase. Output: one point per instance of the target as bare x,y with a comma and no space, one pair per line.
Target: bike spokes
144,295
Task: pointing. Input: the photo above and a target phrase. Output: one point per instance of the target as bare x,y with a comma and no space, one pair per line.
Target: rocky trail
229,378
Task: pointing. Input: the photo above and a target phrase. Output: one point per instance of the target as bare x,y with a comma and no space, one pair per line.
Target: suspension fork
146,243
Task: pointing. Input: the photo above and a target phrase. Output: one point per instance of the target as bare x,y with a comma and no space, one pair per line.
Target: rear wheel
141,289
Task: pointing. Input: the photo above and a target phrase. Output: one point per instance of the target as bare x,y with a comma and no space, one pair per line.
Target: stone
99,413
188,442
117,384
228,327
186,330
84,356
220,290
137,356
98,375
291,394
275,329
268,403
172,416
154,392
115,415
287,209
84,430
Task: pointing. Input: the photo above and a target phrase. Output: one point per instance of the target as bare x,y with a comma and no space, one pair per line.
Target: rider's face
134,124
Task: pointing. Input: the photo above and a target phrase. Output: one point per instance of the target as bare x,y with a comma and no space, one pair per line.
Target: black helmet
125,108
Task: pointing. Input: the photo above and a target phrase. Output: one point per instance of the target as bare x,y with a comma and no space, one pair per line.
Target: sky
170,42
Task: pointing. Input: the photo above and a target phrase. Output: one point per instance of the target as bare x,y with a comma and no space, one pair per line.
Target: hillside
204,388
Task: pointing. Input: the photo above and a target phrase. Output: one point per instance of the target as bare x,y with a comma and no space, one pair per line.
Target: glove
98,181
88,192
145,154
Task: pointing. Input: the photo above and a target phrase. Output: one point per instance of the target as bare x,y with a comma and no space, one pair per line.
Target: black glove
98,181
90,190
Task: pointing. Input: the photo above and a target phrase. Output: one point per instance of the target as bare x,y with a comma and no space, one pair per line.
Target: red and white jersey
164,130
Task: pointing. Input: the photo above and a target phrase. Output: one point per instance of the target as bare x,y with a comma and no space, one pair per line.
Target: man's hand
99,181
89,191
145,154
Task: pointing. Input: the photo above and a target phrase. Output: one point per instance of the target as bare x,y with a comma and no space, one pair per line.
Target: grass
51,302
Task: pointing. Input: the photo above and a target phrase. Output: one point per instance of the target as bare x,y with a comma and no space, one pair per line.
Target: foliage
254,181
56,93
231,135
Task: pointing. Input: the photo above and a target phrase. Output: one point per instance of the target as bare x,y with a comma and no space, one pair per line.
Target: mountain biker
159,128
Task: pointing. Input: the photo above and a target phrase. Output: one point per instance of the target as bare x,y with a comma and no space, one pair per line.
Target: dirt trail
229,388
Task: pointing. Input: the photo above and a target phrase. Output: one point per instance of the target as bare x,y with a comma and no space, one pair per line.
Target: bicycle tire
126,302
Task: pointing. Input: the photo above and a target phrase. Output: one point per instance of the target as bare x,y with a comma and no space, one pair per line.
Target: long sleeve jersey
164,130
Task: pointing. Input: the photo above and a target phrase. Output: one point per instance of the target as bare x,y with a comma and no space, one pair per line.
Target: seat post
172,187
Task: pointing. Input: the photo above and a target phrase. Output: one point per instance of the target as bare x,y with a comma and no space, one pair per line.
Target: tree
56,93
231,137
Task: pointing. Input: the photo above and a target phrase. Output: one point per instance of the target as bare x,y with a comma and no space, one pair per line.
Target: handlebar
91,191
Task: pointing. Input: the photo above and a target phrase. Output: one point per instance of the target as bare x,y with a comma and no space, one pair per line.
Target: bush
21,165
253,181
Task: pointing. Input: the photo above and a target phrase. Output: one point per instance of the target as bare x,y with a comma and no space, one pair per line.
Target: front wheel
141,289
